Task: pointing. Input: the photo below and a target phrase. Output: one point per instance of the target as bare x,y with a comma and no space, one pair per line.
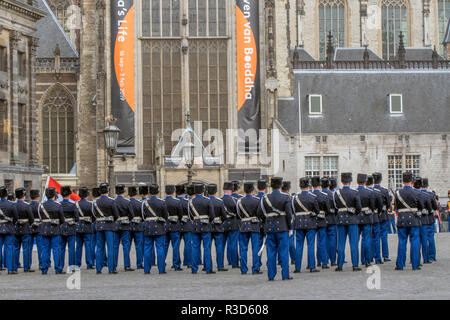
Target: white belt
365,209
303,213
407,210
201,217
4,221
122,219
274,214
151,219
68,220
23,220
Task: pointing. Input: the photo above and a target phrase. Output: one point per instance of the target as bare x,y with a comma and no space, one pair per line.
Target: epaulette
218,198
312,194
376,190
323,193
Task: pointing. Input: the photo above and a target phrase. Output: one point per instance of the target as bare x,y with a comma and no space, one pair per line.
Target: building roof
356,101
447,33
50,34
354,54
420,54
303,55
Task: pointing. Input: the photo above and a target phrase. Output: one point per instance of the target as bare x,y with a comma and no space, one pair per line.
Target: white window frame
390,103
321,104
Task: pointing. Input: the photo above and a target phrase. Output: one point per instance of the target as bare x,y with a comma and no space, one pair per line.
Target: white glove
291,233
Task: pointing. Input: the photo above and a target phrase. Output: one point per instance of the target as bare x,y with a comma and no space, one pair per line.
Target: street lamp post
111,133
188,155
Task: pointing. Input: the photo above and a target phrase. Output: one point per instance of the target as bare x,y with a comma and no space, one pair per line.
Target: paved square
432,282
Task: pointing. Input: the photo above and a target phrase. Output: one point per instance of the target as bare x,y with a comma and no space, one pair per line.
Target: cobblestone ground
429,283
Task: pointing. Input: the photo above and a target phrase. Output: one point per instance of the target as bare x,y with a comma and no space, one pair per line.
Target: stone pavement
429,283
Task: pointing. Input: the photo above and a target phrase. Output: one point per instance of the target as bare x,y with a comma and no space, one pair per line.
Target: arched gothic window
394,18
443,18
58,130
331,18
59,8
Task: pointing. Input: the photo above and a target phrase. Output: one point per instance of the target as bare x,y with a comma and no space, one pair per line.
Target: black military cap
333,183
180,189
190,189
304,182
20,193
228,186
50,193
262,184
66,191
143,190
369,180
325,182
34,194
211,188
96,192
154,189
11,197
377,177
361,178
424,182
249,187
236,185
407,177
83,192
170,188
276,182
199,188
120,189
132,191
104,188
418,183
315,181
346,177
286,186
3,192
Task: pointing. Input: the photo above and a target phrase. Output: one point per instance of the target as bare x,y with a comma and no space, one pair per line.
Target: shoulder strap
98,209
402,201
41,206
150,208
191,205
342,199
1,213
242,208
300,203
79,209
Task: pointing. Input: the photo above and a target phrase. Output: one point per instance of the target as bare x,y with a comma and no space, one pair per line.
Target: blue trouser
261,236
391,226
150,243
300,235
51,243
244,238
38,238
414,238
7,242
70,242
23,241
423,236
175,238
432,244
124,237
352,231
277,242
322,253
108,238
332,242
291,249
138,238
219,243
384,238
197,238
376,248
366,239
232,247
85,239
187,253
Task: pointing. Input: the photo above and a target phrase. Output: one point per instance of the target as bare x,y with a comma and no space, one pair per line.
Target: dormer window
395,102
315,104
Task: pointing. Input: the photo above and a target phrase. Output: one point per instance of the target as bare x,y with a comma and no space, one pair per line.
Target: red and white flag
52,183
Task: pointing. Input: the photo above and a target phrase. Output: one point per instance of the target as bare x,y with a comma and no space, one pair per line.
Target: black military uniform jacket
331,216
137,223
25,216
8,218
347,214
367,198
85,217
324,206
154,224
106,213
379,202
278,213
305,219
386,202
204,216
175,211
186,222
232,222
434,206
250,221
126,213
220,215
427,207
34,205
408,216
51,223
69,227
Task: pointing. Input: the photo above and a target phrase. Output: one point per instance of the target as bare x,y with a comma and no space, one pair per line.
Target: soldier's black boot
129,269
314,270
367,265
325,267
297,271
288,278
386,259
99,272
222,269
356,269
179,269
338,269
334,264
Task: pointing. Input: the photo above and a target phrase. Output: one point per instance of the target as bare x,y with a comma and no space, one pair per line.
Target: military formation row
279,220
